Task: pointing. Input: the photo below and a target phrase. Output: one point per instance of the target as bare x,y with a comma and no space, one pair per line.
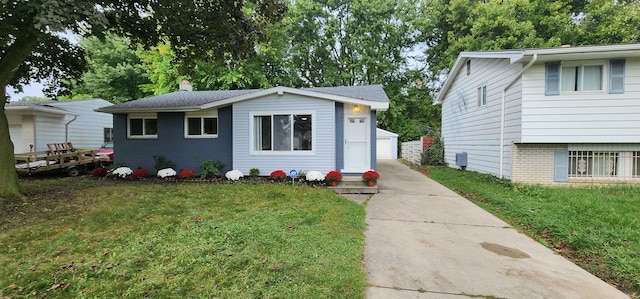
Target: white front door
356,144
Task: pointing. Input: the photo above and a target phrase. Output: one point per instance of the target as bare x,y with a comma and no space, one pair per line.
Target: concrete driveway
425,241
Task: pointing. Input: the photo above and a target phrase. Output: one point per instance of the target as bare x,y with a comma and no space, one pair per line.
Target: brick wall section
533,163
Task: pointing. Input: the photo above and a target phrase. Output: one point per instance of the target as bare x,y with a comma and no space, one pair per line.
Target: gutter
66,128
502,116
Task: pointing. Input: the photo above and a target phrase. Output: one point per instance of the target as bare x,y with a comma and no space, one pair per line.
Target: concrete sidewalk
425,241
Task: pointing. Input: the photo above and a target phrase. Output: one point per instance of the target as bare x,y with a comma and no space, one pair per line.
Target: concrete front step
354,187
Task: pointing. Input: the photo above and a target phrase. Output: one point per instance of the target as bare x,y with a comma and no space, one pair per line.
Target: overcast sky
34,90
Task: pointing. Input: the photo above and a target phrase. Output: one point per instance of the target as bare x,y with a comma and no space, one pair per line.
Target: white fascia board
375,105
33,109
512,55
586,52
143,110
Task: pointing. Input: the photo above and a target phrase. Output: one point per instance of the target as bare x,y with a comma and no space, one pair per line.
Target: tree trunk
9,184
14,56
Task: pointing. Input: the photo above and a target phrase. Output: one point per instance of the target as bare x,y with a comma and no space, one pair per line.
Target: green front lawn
81,237
597,227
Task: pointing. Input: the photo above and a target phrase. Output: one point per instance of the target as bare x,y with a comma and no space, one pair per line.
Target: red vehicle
105,153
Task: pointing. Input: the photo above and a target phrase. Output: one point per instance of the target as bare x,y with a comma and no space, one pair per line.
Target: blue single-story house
306,129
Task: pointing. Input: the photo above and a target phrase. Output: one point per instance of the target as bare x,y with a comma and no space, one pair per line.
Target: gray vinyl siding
581,117
467,127
172,144
87,130
324,157
49,129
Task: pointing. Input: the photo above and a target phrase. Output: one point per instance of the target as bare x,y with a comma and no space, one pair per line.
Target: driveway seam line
417,290
442,223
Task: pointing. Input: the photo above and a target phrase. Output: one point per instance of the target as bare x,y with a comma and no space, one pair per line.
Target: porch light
356,109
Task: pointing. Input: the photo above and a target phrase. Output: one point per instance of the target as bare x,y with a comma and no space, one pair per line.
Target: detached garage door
386,144
16,137
383,148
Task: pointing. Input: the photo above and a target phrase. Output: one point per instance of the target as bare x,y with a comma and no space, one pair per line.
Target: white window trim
480,94
314,129
142,116
582,63
202,115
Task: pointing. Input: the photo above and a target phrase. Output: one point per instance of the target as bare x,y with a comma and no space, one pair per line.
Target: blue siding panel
339,136
172,144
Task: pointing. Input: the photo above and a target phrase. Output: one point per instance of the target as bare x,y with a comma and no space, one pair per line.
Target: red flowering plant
370,175
278,175
98,172
186,173
333,176
140,173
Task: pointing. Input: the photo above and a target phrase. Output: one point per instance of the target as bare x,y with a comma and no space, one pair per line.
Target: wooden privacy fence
412,150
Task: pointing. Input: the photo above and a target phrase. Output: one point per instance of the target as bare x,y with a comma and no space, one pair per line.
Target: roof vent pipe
186,86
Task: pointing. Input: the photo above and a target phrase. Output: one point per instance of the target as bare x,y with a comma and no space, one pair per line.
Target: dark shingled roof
365,92
194,99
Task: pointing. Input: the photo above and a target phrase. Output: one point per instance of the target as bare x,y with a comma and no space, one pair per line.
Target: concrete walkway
425,241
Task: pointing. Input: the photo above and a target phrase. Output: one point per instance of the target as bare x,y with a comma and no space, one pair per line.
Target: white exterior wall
466,127
48,129
581,117
87,131
323,157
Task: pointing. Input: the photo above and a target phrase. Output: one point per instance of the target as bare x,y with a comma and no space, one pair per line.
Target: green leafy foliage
209,168
115,71
434,154
32,46
161,162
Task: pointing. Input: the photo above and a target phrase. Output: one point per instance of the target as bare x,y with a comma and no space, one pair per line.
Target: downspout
66,128
502,116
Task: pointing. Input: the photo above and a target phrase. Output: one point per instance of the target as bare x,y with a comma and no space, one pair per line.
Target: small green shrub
434,155
254,172
210,168
161,162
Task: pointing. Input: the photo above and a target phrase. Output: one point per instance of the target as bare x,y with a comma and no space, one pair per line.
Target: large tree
115,72
451,26
355,42
32,46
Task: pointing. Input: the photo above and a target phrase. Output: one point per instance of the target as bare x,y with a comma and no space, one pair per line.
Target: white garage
386,144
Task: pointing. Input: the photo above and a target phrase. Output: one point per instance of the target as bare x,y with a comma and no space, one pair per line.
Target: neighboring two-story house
547,116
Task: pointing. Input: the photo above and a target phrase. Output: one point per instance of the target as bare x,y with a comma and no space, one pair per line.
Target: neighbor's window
108,134
593,164
482,95
468,67
143,126
576,77
282,132
581,77
616,76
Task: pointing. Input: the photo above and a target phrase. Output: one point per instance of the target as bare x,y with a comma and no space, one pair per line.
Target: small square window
201,126
143,126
